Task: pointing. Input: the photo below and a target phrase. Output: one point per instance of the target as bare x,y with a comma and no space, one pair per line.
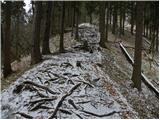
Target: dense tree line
47,18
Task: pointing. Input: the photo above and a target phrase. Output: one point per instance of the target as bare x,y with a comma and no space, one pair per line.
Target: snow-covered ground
80,83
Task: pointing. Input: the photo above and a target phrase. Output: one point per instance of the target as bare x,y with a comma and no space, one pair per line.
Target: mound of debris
88,37
69,85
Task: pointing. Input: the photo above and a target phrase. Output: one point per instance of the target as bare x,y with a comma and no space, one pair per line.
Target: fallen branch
62,99
97,115
24,115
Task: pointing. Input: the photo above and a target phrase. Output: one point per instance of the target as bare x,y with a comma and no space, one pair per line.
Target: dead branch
97,115
62,99
24,115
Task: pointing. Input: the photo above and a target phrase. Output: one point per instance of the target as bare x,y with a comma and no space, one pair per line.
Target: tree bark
7,45
35,54
136,76
45,46
102,24
61,45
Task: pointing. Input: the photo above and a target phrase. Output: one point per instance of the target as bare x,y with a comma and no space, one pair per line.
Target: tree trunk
45,46
132,17
36,55
73,19
107,19
77,17
90,18
7,45
121,15
136,76
102,24
114,18
124,16
17,38
61,45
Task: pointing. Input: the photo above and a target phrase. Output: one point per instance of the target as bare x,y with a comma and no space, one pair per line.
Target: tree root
43,100
62,99
97,115
24,115
40,86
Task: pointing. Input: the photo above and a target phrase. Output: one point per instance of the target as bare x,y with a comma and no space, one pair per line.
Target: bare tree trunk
73,18
61,45
124,16
36,55
136,76
77,17
90,18
102,24
7,61
114,18
45,45
132,17
17,37
121,15
107,19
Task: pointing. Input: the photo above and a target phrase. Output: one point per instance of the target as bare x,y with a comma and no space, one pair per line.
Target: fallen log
144,78
62,99
97,115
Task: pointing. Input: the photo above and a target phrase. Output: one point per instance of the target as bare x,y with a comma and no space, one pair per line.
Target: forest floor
100,78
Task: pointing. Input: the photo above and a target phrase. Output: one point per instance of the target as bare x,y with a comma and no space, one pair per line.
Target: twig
62,99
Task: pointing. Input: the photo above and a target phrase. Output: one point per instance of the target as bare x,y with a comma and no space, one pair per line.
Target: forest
79,59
